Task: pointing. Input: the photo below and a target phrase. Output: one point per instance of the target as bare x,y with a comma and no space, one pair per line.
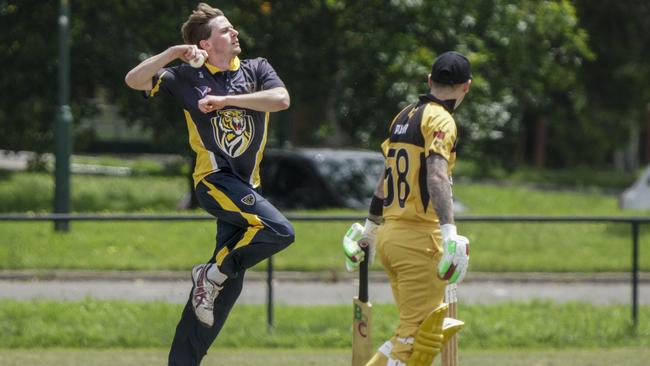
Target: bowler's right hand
187,52
211,103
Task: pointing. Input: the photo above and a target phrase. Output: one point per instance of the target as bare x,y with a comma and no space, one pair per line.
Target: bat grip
363,276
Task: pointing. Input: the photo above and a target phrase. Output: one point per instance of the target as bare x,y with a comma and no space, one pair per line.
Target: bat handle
363,276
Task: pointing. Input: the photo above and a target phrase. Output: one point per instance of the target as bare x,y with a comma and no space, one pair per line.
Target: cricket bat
362,318
449,356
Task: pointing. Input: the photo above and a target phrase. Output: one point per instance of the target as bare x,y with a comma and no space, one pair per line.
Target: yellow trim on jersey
156,87
255,176
221,255
228,205
205,162
245,240
440,132
234,66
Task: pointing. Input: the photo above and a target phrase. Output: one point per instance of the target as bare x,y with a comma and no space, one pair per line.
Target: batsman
411,224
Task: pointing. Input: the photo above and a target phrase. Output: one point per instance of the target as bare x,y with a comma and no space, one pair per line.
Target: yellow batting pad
450,327
433,321
428,340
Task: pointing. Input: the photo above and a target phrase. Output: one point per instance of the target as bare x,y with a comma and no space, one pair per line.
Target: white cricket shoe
203,294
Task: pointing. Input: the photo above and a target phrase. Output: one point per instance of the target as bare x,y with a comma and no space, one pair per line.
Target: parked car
320,177
637,196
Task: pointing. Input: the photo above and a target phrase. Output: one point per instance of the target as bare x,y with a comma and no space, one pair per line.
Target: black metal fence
634,223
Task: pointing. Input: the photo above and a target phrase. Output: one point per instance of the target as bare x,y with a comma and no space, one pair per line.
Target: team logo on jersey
248,200
233,131
203,90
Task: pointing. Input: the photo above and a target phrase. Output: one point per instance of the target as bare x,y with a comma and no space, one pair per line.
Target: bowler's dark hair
197,26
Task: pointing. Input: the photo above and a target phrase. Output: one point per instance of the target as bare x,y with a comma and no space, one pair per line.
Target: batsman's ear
429,81
467,85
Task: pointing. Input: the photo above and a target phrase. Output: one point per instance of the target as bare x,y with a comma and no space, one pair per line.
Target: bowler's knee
286,234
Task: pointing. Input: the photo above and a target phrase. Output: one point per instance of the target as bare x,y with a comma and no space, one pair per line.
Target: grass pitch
307,357
91,324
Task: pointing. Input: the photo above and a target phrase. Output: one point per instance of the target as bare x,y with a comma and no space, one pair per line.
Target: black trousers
249,230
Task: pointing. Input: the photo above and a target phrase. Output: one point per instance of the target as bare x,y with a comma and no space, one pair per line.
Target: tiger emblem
233,131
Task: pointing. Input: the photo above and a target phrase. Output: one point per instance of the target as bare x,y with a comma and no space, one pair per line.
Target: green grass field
100,333
120,324
319,357
46,333
178,245
592,247
33,192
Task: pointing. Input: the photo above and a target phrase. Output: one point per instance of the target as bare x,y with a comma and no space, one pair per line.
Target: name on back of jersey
401,129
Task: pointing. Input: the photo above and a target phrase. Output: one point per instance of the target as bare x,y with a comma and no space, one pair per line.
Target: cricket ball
197,61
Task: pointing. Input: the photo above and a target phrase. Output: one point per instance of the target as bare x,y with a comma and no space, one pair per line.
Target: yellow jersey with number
423,128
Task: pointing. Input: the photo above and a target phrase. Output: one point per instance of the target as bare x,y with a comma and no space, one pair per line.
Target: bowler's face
224,37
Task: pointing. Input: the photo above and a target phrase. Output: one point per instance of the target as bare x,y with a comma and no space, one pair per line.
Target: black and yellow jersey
231,138
422,128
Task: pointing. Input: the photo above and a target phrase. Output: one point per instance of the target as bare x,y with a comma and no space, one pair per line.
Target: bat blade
362,318
361,334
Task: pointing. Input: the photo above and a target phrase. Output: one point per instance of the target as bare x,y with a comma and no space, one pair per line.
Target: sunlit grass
110,324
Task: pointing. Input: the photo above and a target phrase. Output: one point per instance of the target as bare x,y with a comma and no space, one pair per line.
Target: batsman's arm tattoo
439,188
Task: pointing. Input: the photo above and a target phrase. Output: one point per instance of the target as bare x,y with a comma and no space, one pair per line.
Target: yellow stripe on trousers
254,222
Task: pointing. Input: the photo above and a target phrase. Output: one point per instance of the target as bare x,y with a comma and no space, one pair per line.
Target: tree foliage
615,81
349,66
28,52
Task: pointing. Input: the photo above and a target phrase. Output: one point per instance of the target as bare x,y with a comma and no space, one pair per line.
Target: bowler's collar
234,66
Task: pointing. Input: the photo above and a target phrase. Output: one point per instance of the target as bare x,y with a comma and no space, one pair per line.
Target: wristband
370,229
448,230
376,206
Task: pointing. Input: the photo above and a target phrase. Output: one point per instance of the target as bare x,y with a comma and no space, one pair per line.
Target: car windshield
352,176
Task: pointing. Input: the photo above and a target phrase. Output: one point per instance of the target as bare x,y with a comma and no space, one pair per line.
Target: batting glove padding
354,254
455,257
368,239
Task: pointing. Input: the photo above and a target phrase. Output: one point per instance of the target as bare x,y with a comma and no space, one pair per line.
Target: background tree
27,48
350,66
615,81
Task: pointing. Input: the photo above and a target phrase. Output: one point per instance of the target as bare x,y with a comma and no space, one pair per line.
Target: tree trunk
646,157
539,152
300,117
336,137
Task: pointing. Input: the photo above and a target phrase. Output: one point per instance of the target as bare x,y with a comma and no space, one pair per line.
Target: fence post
269,293
635,274
63,124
